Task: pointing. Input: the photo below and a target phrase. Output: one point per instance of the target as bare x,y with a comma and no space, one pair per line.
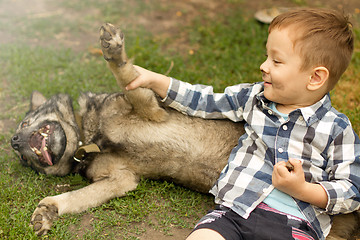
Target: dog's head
48,136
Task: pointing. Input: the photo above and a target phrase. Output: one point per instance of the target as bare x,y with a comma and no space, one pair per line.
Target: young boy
288,117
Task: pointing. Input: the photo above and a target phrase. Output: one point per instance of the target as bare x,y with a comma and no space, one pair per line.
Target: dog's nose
15,142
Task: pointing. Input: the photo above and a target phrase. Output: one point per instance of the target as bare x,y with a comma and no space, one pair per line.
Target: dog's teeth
44,134
45,148
36,151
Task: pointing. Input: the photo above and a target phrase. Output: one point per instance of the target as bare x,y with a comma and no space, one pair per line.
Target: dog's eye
24,124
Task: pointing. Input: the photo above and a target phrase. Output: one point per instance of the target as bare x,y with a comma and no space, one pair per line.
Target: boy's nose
264,68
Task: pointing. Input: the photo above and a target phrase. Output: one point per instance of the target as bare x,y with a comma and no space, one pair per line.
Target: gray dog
117,138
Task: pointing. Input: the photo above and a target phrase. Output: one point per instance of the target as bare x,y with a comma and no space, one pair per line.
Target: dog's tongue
45,153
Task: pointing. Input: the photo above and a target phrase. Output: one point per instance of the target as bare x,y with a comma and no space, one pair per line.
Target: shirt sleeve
201,101
344,173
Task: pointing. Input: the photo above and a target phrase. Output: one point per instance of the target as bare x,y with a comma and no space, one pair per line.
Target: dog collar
83,150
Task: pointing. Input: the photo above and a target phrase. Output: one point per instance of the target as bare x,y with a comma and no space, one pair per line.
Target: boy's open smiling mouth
266,83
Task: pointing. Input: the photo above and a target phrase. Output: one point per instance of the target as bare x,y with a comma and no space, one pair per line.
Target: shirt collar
316,111
311,114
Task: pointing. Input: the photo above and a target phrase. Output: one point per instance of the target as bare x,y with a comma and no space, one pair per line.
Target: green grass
225,51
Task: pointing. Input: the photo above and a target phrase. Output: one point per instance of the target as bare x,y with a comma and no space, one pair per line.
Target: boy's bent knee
205,233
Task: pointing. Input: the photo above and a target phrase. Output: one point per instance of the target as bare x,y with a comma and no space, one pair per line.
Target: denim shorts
264,223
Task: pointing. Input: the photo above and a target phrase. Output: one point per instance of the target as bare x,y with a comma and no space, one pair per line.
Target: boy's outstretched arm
155,81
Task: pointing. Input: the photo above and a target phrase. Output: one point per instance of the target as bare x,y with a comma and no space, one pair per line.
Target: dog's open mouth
39,143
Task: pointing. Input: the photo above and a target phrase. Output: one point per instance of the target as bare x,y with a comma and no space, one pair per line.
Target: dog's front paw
112,44
43,218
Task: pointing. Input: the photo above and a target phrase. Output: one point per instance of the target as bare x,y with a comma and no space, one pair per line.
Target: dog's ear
36,100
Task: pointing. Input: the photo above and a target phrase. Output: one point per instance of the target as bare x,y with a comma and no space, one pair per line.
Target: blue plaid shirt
318,134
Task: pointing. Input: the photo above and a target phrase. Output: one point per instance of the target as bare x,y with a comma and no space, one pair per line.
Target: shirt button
285,127
280,150
270,112
301,118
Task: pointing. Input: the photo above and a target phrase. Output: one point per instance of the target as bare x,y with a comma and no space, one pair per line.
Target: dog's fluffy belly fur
180,148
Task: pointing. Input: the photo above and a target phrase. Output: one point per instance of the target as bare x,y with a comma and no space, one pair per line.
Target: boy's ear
318,78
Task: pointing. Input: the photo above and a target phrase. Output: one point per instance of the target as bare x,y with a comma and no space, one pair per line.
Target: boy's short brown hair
322,37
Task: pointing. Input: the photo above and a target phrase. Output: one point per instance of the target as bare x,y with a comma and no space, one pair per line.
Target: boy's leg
204,233
218,224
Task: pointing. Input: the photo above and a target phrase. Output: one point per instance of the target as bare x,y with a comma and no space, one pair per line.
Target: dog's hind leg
143,100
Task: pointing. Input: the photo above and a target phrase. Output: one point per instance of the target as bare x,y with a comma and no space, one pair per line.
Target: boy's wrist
312,193
160,85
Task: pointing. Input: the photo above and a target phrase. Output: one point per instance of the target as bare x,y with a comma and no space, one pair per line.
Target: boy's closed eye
275,60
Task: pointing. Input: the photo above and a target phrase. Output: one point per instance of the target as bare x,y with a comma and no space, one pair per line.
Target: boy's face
284,82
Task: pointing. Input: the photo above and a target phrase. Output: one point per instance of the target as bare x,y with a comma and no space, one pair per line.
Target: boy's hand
143,80
157,82
293,182
288,180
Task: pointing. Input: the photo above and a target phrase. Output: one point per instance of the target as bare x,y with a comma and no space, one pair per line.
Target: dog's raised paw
43,218
112,44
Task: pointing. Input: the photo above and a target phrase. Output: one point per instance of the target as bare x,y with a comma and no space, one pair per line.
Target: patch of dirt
85,223
180,13
175,233
151,234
